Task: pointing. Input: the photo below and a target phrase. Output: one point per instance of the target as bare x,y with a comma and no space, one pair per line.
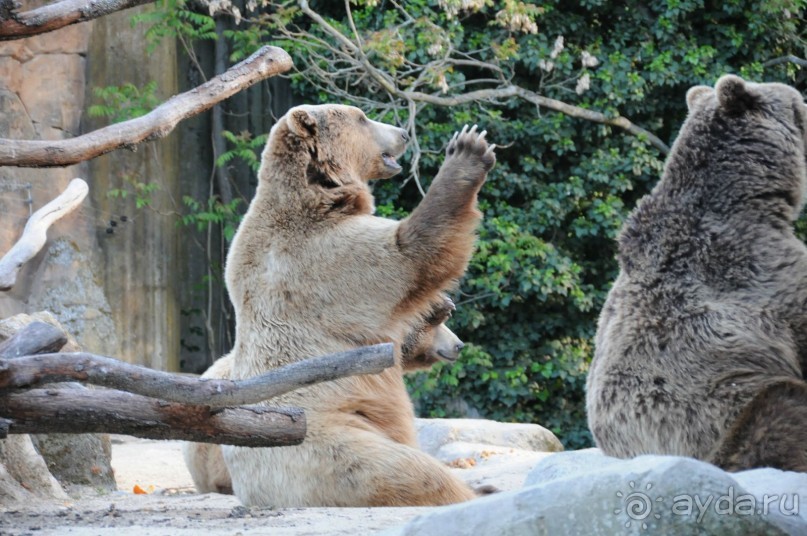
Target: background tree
583,100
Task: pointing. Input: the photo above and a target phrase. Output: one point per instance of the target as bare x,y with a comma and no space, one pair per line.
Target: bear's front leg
438,236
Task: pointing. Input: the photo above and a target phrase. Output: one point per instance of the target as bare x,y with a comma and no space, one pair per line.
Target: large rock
433,434
77,460
588,493
23,473
487,453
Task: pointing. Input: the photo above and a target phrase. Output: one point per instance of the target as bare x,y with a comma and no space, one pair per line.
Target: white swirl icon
638,505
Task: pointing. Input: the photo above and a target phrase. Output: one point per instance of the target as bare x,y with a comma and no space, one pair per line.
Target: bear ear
695,94
734,95
302,123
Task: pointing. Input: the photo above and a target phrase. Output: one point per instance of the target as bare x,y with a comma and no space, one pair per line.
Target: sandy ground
173,508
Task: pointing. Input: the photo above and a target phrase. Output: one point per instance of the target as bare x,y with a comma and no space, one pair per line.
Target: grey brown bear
701,346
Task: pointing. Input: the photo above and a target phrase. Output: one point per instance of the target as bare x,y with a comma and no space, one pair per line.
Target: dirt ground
171,506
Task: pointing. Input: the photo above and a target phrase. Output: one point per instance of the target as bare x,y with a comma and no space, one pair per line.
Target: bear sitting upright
312,271
430,342
701,346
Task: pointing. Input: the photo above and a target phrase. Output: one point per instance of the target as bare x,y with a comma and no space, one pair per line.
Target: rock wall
120,273
117,292
138,247
42,82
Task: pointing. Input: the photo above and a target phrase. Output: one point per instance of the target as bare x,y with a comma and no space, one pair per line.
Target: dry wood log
266,62
14,25
35,338
83,367
35,233
68,411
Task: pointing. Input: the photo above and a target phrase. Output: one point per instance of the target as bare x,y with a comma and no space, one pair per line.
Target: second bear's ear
734,95
695,94
302,123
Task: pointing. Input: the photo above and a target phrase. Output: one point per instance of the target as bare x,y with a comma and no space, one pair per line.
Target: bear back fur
709,305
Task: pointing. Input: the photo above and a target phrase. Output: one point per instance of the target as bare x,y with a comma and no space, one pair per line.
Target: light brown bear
312,271
429,343
701,346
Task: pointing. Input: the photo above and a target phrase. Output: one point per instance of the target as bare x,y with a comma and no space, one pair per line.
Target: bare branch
266,62
352,54
54,16
74,411
31,371
790,58
35,233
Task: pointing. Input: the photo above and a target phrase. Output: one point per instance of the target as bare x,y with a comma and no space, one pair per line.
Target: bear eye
362,118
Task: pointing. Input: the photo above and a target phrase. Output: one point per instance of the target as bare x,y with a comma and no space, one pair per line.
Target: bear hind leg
771,431
346,467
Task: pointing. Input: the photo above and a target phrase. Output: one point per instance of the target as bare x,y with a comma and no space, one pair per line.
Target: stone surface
78,459
588,493
69,289
42,462
24,474
434,433
51,109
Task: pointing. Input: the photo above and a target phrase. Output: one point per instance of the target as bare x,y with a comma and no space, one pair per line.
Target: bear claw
471,143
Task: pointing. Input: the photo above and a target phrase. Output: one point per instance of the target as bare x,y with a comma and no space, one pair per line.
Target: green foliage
121,103
143,192
214,212
244,146
174,19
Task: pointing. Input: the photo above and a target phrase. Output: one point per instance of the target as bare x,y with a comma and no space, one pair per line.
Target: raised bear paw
441,311
471,145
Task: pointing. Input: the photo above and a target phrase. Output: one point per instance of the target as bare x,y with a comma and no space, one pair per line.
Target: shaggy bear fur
702,343
427,344
311,271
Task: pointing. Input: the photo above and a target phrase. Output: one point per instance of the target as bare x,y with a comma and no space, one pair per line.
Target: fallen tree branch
35,338
51,17
83,367
266,62
70,411
35,233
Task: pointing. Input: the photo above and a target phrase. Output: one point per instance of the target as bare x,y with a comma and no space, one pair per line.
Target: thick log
35,338
70,411
35,233
14,25
83,367
266,62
